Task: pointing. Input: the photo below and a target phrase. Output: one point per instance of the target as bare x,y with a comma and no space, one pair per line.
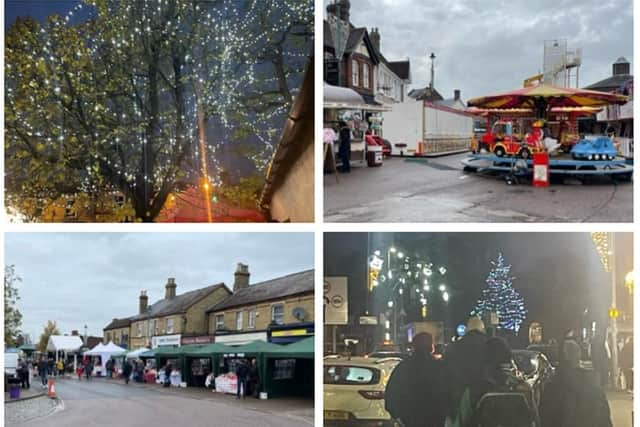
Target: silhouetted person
345,147
572,397
414,393
626,362
465,362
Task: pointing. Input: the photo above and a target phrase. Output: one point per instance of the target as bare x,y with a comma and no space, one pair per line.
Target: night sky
558,274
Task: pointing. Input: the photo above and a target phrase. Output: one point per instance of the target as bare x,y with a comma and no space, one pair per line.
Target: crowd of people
426,392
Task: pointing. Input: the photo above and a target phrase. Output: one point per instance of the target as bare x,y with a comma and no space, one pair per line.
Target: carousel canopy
64,343
544,95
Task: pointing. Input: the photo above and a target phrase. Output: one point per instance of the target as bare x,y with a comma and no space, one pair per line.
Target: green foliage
245,193
12,316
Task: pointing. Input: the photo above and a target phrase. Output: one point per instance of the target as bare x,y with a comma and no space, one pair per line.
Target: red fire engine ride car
501,140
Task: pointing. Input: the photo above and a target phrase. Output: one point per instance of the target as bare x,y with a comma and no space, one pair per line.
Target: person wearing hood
573,397
465,362
415,392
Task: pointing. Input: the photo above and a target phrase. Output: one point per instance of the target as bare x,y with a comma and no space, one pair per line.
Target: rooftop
179,303
292,284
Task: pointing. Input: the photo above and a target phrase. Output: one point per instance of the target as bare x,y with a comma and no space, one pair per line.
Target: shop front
240,338
287,334
166,341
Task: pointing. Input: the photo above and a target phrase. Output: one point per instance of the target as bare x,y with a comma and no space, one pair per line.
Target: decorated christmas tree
501,298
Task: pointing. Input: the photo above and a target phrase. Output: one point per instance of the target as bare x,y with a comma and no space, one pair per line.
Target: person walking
414,394
126,371
465,362
43,368
573,397
254,379
345,147
109,366
167,375
23,373
88,369
242,373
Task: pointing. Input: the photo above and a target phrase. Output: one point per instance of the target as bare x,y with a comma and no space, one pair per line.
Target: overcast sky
490,46
90,278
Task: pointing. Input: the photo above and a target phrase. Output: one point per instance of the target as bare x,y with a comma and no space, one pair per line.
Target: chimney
340,9
241,277
170,288
143,303
374,36
456,94
621,67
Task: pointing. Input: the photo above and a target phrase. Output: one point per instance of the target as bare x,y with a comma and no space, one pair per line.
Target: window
219,322
355,73
156,326
139,329
352,375
239,321
252,319
277,314
108,337
365,75
149,328
169,325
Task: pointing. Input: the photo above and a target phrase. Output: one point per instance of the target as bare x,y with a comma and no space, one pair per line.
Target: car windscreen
350,375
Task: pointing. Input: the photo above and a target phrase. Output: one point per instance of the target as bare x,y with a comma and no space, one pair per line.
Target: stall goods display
227,383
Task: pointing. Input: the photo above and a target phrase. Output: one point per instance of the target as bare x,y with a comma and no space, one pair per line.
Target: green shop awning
171,352
303,349
254,348
209,350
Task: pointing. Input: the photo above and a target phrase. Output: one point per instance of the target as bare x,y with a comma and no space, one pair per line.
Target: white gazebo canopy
104,352
64,343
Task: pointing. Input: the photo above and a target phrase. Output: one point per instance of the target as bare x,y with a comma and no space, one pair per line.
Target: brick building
277,310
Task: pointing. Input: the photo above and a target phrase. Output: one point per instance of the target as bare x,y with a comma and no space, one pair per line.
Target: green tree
51,328
12,316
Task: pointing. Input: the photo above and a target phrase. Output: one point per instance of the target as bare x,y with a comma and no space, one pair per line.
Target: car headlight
597,156
590,157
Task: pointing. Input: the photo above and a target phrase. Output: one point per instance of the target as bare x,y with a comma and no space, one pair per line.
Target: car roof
362,361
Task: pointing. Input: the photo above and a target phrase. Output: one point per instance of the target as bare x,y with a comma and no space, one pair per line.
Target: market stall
344,104
65,344
201,361
104,352
289,369
176,356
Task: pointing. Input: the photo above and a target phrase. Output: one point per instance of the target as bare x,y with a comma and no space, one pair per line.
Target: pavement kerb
35,396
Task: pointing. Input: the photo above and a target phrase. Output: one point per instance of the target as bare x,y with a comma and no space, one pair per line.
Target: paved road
621,405
100,403
437,190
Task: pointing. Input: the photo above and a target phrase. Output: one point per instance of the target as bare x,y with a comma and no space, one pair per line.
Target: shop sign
291,333
165,340
336,304
207,339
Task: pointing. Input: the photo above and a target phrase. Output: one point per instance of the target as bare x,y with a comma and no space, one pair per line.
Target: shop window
284,369
239,321
252,319
365,76
219,322
355,73
277,314
169,321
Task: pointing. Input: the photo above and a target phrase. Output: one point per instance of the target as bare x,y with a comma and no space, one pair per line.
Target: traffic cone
51,392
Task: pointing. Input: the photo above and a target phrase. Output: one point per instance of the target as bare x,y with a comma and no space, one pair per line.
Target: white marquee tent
65,344
104,352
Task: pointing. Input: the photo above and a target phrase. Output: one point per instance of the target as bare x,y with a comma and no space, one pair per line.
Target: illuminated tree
137,97
501,297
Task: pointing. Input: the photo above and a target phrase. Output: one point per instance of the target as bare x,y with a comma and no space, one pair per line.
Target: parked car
387,350
536,369
600,148
354,391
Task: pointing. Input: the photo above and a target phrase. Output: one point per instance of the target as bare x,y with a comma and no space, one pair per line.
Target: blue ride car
600,148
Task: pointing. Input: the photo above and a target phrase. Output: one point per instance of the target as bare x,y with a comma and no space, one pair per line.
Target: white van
11,364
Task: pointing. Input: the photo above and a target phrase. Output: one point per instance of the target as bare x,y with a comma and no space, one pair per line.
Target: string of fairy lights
77,89
405,278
